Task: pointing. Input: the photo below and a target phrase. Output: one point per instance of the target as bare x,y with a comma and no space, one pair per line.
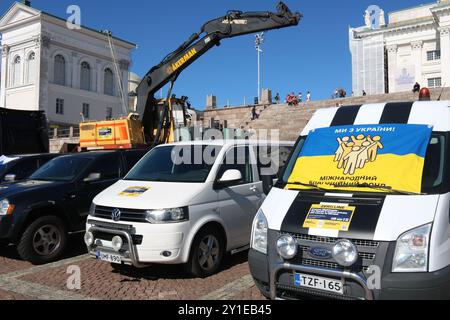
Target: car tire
207,253
43,241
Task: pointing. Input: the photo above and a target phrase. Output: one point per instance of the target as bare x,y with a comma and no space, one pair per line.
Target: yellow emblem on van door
355,152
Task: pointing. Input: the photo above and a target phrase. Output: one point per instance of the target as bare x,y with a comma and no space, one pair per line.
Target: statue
367,19
382,18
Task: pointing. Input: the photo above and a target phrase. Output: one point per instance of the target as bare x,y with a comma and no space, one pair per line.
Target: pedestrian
254,113
277,98
364,93
300,97
416,88
308,97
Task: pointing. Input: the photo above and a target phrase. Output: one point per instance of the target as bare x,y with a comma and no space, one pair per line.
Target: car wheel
207,253
43,241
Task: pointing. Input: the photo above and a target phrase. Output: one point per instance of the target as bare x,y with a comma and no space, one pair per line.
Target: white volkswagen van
185,203
362,209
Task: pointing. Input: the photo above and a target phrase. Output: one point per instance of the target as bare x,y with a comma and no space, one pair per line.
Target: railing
65,133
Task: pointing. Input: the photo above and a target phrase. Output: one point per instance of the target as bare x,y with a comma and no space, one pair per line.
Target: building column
445,55
43,86
75,71
99,80
4,75
392,66
416,47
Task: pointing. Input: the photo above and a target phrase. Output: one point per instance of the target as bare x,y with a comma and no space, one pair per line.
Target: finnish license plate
108,257
318,283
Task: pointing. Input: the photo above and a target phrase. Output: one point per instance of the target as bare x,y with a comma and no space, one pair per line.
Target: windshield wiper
309,186
387,188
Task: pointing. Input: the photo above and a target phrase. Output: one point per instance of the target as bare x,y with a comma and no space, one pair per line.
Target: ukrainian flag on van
363,158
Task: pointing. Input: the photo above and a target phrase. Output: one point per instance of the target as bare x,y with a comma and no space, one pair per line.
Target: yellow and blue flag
356,157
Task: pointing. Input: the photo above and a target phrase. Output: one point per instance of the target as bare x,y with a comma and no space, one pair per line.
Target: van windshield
433,172
184,164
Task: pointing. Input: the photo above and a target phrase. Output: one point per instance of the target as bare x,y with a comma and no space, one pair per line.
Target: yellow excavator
156,120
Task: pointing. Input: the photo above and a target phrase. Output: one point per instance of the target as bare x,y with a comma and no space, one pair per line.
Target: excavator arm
235,23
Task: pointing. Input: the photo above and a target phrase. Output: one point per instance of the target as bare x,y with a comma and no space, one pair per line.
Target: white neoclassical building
413,46
70,74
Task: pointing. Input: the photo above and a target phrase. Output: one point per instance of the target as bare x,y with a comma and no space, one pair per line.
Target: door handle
253,188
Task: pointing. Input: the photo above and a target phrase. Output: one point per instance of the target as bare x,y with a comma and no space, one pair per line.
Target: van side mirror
267,182
229,178
10,178
92,177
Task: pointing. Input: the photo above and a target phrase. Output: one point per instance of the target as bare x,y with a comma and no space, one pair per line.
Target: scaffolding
368,64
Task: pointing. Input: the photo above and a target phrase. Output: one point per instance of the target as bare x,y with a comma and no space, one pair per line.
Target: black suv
37,214
20,167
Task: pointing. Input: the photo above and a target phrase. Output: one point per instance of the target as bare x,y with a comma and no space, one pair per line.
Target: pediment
18,12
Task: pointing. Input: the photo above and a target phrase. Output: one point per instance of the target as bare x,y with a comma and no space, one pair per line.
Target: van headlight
259,233
6,208
287,247
167,215
411,254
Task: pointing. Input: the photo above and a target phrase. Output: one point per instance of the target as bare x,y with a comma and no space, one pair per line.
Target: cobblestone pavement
99,281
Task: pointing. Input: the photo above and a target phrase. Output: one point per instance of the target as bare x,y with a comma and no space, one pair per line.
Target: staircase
291,120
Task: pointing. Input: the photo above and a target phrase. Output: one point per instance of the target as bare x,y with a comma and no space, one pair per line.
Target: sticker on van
134,191
330,217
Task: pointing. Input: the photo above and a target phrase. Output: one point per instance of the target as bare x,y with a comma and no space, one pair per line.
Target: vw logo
320,253
116,215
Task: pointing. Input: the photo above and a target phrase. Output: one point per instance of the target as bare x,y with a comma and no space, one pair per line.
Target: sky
313,56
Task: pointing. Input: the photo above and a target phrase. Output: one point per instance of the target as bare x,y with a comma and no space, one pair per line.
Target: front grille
331,265
358,243
127,215
367,251
137,239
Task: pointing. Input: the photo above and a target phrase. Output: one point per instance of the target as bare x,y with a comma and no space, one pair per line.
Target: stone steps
291,120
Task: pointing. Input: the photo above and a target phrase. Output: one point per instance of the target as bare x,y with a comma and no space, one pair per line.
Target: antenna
120,84
442,92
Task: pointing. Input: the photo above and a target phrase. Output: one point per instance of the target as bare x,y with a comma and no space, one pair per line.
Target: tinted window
107,165
44,160
24,168
176,164
271,160
433,172
132,157
61,169
238,158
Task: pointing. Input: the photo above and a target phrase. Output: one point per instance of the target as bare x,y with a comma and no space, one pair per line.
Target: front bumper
144,244
6,229
272,279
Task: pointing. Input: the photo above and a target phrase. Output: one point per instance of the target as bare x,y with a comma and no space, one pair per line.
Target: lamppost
258,42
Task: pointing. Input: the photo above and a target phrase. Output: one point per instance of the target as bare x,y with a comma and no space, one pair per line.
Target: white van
362,209
185,203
